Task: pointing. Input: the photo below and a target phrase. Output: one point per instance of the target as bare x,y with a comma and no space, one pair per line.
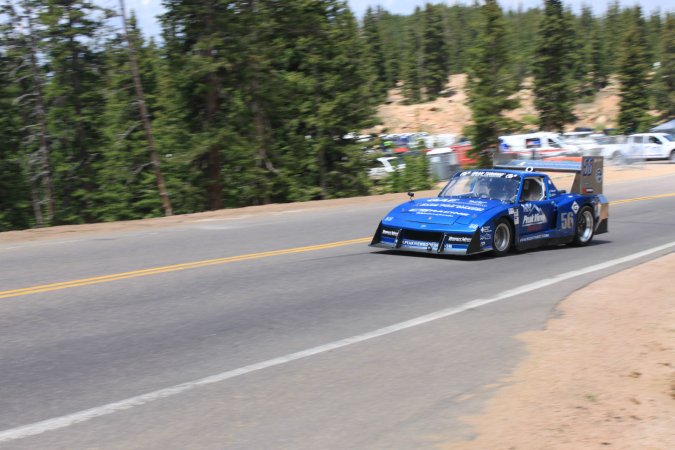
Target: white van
538,145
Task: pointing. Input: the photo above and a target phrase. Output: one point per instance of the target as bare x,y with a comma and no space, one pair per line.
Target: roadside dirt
600,377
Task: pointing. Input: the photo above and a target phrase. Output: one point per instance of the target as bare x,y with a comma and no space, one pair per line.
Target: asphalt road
280,348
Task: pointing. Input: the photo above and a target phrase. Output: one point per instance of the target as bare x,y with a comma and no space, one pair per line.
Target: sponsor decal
534,238
514,213
473,226
390,233
486,234
459,239
598,175
533,215
575,207
388,219
469,208
420,244
437,212
567,220
479,173
587,167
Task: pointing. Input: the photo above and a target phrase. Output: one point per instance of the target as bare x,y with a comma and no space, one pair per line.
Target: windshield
670,137
483,184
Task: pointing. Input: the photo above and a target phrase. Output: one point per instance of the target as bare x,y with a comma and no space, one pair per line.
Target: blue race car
513,205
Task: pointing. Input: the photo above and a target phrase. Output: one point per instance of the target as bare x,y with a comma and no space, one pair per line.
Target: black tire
584,229
672,157
502,238
618,158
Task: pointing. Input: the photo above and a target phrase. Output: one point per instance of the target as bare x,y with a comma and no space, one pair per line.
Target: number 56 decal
567,220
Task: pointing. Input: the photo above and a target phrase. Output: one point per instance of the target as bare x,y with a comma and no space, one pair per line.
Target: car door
535,207
653,147
636,147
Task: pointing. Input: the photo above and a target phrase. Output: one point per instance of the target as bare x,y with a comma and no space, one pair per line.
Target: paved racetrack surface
125,362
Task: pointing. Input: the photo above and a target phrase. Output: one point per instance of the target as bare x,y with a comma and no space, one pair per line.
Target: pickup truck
651,146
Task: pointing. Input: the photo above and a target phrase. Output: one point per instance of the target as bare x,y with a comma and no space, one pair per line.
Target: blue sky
147,10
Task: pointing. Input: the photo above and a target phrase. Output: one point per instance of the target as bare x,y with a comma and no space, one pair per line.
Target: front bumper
430,242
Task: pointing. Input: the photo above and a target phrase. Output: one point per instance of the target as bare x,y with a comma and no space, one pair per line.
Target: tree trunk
43,170
145,117
213,159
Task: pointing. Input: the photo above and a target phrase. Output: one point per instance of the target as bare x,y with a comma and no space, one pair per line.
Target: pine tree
128,183
664,85
634,77
333,77
491,83
24,38
599,73
554,96
435,51
580,54
75,105
374,47
522,42
413,69
130,38
612,33
15,211
203,41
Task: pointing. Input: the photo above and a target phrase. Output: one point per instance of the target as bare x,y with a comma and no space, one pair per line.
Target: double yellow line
173,268
637,199
213,262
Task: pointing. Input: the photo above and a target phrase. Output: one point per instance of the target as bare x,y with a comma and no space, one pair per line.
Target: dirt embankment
600,377
451,114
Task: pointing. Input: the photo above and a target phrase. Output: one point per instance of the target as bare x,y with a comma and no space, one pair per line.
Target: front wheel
585,227
502,238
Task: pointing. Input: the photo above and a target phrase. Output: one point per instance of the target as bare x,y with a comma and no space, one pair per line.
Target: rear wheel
502,238
585,227
672,157
617,158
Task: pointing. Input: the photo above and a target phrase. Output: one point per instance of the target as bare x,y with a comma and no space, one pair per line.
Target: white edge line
88,414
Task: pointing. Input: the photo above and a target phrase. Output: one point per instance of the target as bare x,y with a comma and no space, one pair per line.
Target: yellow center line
173,268
212,262
637,199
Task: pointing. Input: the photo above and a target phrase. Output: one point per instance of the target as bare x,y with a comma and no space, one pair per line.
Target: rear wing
588,171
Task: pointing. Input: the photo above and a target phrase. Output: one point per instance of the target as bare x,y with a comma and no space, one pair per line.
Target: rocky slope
451,114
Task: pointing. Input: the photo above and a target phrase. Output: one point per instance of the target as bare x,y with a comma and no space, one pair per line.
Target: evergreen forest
252,102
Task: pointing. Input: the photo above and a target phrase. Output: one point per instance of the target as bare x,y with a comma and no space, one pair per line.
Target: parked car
651,146
384,166
612,148
537,145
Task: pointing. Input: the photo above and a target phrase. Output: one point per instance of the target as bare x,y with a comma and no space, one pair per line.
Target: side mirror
411,195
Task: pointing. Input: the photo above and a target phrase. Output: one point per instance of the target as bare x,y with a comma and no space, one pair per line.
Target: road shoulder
602,375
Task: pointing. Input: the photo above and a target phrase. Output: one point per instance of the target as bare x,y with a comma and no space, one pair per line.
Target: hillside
450,114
